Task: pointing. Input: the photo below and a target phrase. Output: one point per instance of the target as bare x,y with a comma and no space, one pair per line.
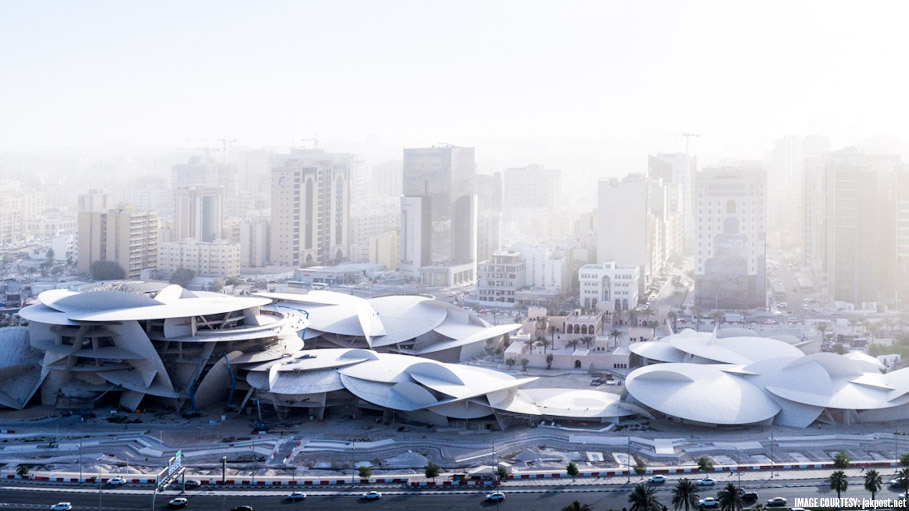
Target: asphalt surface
14,498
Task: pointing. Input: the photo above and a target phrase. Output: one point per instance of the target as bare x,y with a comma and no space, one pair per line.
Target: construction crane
687,137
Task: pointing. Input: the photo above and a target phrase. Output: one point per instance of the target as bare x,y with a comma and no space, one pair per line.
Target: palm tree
822,328
674,317
838,482
873,482
730,498
540,341
615,334
577,506
685,495
633,317
573,344
647,313
903,478
717,317
643,498
587,340
696,312
552,331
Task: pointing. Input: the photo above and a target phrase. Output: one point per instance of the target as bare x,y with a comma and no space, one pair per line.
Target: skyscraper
310,208
445,175
678,169
624,225
198,213
730,263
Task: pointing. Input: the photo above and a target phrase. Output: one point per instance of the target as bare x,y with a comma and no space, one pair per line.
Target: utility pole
771,454
628,460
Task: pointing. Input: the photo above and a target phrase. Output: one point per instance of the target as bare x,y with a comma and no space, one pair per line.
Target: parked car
61,506
192,483
657,479
242,508
495,497
297,495
750,496
117,481
708,502
777,502
177,502
372,495
706,482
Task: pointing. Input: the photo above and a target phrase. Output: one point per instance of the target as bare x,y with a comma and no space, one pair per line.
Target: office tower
198,213
624,224
95,200
862,215
730,264
785,181
197,171
678,169
310,208
387,179
416,230
489,213
254,242
902,234
446,176
372,218
531,188
124,236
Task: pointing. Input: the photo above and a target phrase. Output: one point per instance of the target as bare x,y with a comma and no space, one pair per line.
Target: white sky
594,83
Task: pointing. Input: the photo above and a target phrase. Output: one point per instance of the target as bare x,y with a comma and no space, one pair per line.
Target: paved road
525,499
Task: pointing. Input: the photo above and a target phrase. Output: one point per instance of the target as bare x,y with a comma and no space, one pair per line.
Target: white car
709,502
777,502
117,481
706,482
372,495
297,495
178,502
61,506
495,497
657,479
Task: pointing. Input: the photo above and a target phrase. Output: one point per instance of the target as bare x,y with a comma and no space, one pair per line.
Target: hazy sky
604,81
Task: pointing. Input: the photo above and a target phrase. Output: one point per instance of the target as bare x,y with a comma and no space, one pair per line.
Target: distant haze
575,85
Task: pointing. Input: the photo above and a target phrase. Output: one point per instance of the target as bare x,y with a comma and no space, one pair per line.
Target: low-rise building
500,277
218,258
609,285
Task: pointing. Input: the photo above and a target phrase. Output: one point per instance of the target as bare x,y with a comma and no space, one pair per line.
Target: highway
14,498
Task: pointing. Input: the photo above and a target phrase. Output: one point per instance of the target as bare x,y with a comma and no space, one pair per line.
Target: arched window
577,364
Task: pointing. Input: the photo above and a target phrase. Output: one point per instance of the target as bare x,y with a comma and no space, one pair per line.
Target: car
117,481
495,497
297,495
897,483
706,482
61,506
657,479
372,495
177,502
750,496
709,502
242,508
192,483
777,502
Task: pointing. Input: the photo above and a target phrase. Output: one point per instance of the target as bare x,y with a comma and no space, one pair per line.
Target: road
14,498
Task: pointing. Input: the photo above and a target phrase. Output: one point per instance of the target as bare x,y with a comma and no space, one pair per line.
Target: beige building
124,236
383,249
218,258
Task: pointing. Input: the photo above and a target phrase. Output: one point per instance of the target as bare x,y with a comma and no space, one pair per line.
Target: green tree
841,460
873,482
216,286
549,359
524,363
704,464
432,471
365,472
730,498
501,472
182,277
839,349
233,281
587,340
643,498
577,506
838,482
615,333
902,478
540,342
640,467
106,270
572,470
904,459
685,495
22,470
